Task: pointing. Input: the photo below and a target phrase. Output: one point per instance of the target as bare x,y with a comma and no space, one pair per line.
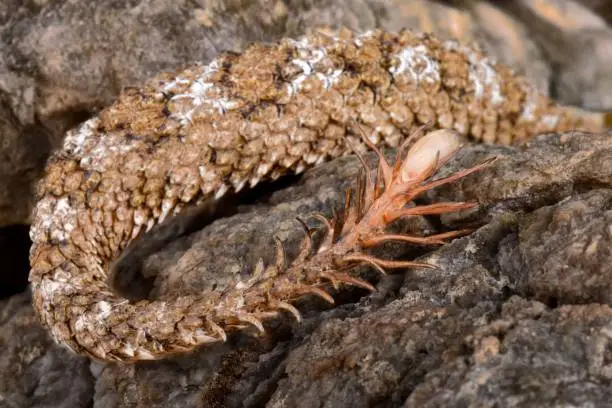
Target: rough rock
566,250
23,151
548,169
33,371
600,7
503,309
527,355
525,295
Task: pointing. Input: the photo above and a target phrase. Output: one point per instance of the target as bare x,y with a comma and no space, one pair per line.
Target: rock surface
36,372
518,313
506,285
23,151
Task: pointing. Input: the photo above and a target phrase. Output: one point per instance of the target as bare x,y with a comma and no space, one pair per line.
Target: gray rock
23,151
600,7
527,355
472,333
34,372
517,314
563,253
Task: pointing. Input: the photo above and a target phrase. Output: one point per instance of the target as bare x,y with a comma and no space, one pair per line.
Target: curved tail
195,135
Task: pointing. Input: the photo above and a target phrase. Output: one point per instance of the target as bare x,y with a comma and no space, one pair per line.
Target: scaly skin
187,137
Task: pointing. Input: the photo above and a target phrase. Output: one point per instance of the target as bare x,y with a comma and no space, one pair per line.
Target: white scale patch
202,92
104,310
95,148
49,288
55,217
358,39
482,74
100,312
309,57
529,112
416,62
205,94
77,139
550,121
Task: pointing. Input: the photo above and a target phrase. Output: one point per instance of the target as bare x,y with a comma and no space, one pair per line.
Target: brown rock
600,7
550,357
551,168
568,250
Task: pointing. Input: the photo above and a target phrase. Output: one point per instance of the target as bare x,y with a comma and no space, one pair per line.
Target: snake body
191,136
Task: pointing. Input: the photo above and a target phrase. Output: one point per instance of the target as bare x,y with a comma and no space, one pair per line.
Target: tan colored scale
189,136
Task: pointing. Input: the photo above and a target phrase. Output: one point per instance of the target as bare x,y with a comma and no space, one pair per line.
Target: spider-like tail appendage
369,208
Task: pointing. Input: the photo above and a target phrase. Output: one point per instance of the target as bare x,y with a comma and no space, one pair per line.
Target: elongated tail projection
274,109
376,204
112,329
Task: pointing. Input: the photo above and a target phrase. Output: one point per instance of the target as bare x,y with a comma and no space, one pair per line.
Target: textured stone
23,151
469,333
474,325
34,372
568,250
600,7
527,355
